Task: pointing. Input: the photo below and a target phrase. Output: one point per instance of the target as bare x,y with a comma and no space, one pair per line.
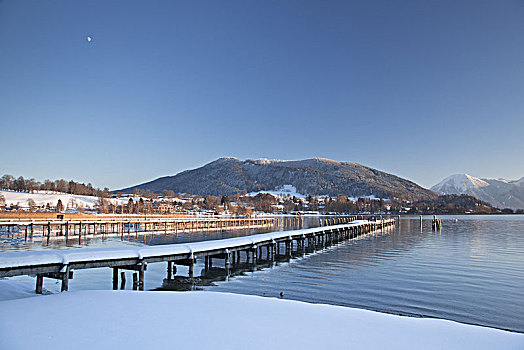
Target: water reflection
471,271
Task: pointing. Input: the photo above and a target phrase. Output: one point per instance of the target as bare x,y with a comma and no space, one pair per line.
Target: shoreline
22,288
133,320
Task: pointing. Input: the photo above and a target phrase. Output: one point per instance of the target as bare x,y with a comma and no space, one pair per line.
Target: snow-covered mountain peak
461,183
519,181
500,193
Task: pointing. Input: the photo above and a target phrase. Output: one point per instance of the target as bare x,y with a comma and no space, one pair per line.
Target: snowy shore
198,320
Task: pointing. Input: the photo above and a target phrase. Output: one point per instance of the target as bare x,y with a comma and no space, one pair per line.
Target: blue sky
421,89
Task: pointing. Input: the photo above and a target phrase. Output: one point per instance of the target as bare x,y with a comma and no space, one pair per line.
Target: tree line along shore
62,196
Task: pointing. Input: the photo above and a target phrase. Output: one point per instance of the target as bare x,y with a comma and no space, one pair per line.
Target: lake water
472,271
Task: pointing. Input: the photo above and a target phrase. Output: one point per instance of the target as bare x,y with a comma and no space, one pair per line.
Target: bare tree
32,204
62,186
6,182
168,193
20,184
49,185
72,204
72,187
31,185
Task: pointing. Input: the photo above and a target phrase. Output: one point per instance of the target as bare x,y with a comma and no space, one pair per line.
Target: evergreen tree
59,206
130,206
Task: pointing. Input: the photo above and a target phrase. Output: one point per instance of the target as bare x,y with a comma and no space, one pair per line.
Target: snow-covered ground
204,320
291,191
372,197
41,198
283,191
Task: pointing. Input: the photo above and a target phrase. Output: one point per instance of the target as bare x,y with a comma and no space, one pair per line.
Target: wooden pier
69,229
60,264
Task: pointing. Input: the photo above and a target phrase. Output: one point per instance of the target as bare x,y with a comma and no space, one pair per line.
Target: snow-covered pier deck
77,229
60,264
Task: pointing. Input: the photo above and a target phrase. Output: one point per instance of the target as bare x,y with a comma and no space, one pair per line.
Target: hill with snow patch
227,176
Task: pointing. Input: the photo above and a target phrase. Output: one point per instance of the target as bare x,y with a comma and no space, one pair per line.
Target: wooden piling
65,279
122,280
135,281
141,277
115,278
39,283
190,272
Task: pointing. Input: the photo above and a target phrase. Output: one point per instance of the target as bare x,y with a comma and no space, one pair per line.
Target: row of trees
20,184
243,204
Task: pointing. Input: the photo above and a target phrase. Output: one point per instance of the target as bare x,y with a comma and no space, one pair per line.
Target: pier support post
141,276
39,283
169,270
191,266
135,281
65,278
122,280
115,278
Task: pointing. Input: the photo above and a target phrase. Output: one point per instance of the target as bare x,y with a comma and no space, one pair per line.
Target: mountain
498,192
227,176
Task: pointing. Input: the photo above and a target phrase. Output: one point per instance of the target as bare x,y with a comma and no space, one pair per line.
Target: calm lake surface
472,271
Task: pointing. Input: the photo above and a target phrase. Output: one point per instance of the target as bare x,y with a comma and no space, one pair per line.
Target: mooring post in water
436,223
